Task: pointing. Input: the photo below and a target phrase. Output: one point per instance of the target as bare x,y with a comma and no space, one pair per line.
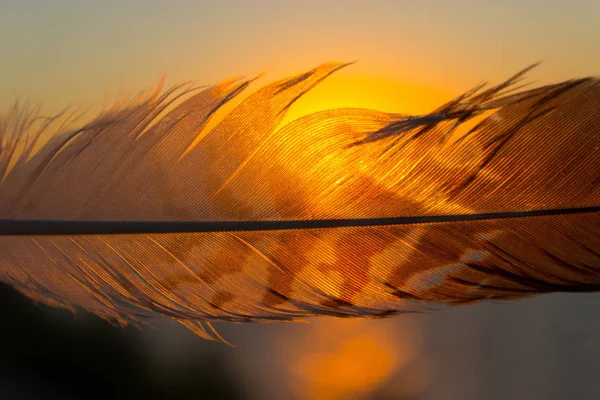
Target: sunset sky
410,57
410,54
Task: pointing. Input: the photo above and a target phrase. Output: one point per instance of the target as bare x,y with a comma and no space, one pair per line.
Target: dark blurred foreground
49,353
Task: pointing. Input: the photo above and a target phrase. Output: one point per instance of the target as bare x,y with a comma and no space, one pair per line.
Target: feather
347,212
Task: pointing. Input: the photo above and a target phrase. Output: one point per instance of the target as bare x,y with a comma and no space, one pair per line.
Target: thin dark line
55,227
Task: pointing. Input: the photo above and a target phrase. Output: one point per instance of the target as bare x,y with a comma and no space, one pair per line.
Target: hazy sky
410,54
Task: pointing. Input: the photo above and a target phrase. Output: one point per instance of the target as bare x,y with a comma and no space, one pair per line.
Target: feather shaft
51,227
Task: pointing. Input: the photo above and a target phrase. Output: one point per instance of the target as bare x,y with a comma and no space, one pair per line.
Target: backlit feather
347,212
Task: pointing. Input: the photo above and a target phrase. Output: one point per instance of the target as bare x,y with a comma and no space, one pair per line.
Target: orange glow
339,359
347,89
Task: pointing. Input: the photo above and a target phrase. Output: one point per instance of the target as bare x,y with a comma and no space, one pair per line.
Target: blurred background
542,348
411,56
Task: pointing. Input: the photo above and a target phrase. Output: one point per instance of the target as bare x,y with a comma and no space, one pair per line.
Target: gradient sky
411,56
